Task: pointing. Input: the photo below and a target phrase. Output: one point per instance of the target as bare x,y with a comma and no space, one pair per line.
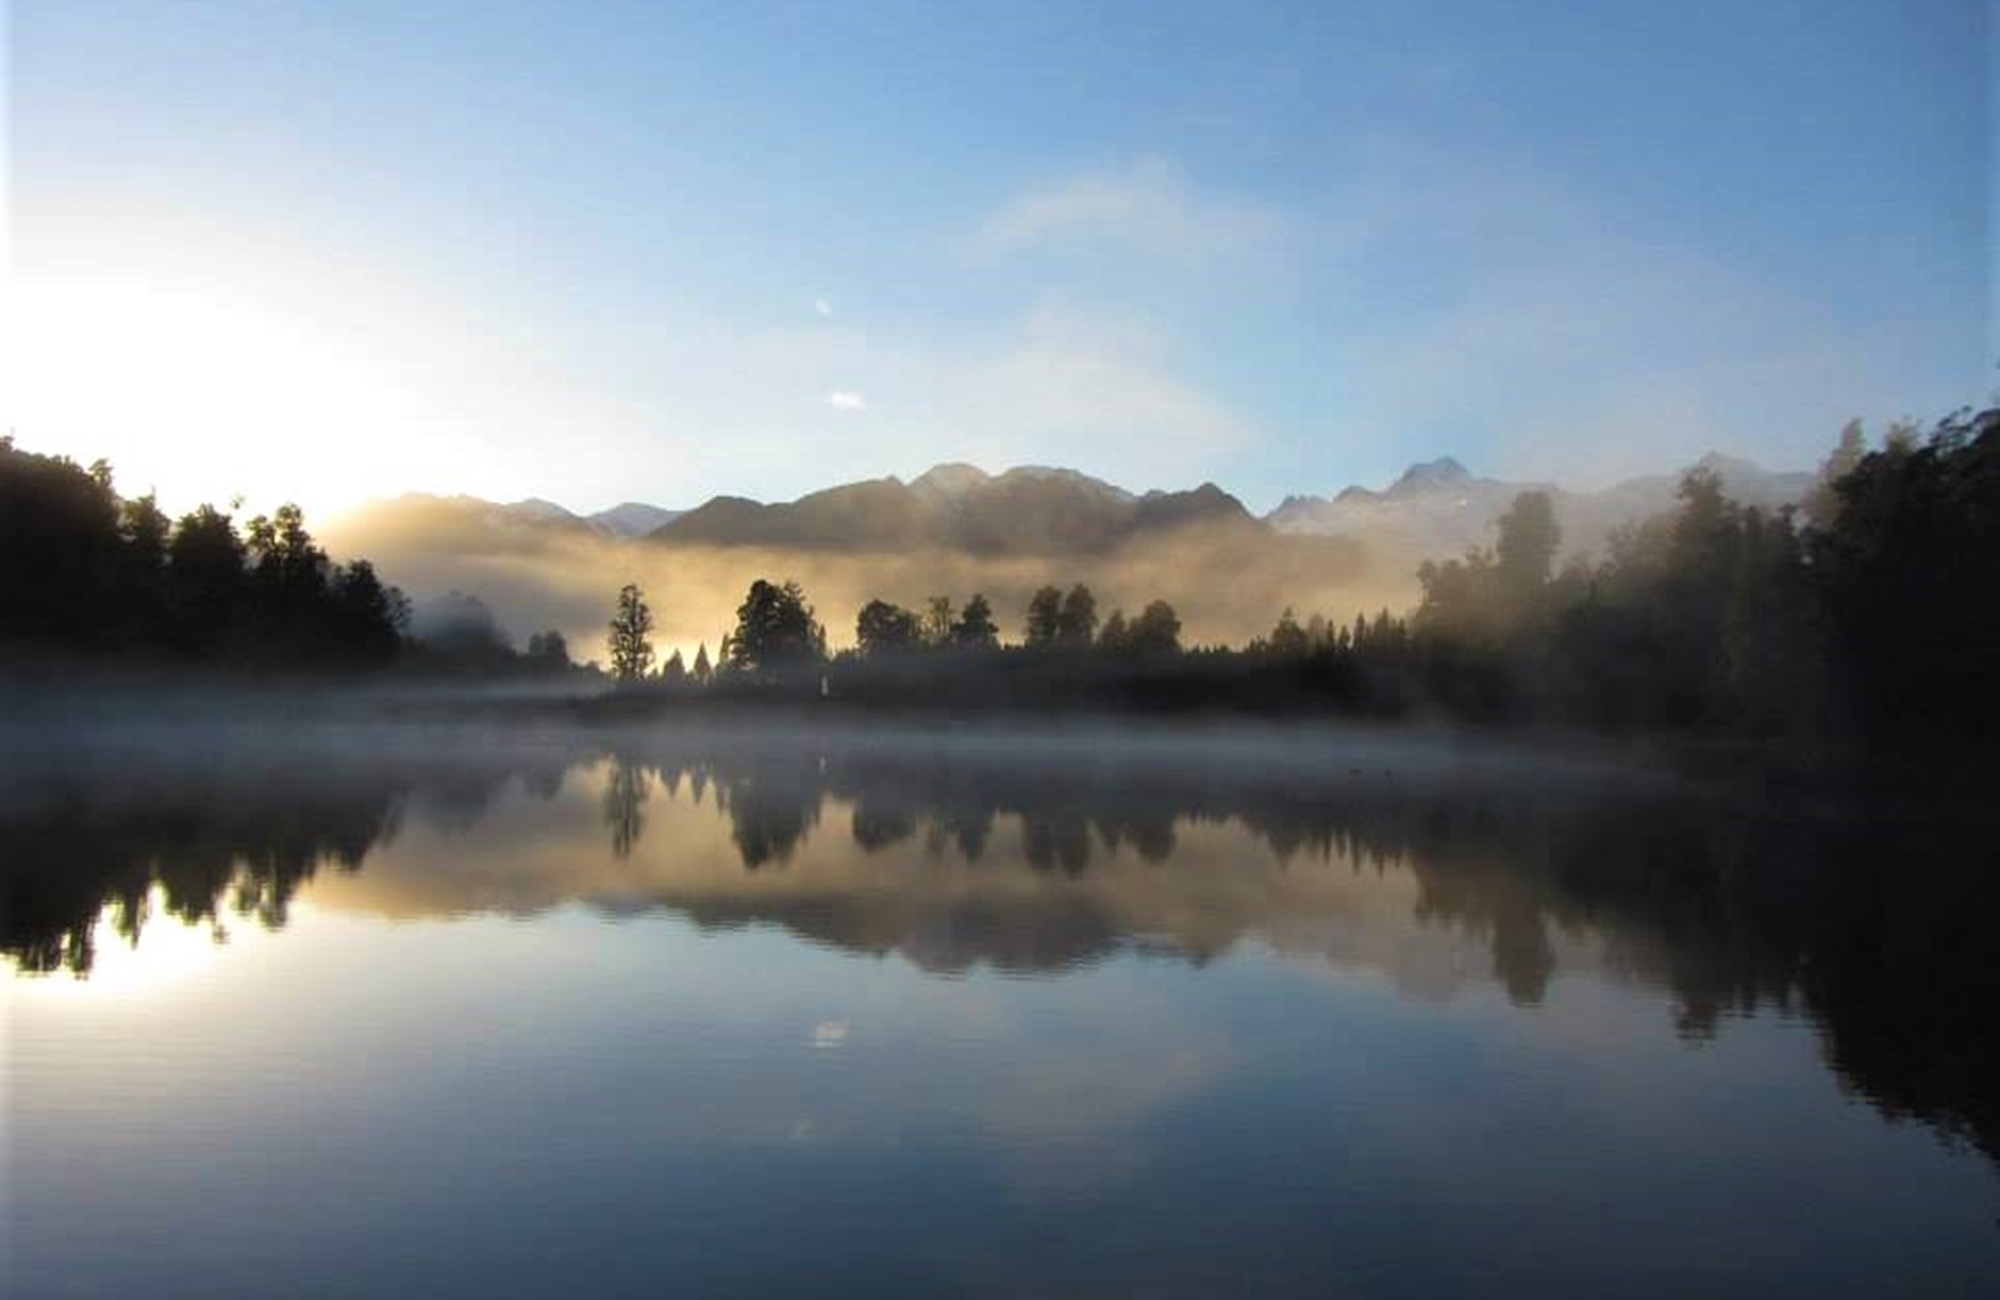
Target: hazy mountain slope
879,514
1030,510
1439,508
953,531
633,518
956,530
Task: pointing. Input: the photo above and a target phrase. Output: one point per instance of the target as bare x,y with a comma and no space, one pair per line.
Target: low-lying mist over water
1227,580
956,530
1019,651
917,994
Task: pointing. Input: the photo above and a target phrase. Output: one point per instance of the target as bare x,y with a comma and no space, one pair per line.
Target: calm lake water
403,1011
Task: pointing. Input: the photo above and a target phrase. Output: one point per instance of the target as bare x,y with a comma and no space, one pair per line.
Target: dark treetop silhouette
1869,618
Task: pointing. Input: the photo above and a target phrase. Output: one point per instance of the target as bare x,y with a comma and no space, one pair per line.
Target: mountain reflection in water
1040,856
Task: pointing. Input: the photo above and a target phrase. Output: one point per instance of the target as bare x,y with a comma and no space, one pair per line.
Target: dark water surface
392,1011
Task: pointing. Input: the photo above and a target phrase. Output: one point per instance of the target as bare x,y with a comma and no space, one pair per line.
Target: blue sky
596,251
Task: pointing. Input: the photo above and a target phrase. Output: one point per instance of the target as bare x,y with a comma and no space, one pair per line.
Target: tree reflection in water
1871,923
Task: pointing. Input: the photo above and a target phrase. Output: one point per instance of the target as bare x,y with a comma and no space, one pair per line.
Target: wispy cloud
1150,206
843,399
823,307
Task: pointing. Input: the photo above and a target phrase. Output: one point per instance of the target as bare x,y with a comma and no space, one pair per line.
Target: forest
1868,614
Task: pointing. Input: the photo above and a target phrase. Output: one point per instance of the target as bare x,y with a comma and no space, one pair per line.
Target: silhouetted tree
630,640
205,578
283,556
1908,579
1157,630
1076,624
1115,636
1822,503
885,629
548,652
1288,639
369,618
975,629
1526,550
1044,618
702,669
775,630
145,530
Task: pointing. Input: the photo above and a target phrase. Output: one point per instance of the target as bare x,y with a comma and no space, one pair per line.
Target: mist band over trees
1867,613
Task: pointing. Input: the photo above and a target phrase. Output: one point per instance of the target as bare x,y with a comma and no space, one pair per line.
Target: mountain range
1031,510
959,529
1436,508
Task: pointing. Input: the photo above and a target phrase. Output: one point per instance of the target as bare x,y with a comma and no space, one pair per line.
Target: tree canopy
775,630
83,569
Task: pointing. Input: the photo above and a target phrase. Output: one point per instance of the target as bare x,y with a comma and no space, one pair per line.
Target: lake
370,1010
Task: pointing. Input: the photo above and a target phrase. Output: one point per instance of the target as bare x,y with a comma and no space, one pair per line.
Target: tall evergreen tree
630,639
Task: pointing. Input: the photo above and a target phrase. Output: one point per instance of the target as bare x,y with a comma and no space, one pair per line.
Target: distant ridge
1439,508
1434,508
634,518
1031,509
957,529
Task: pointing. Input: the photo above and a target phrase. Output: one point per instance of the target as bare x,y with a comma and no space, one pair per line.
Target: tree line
84,569
778,634
1870,612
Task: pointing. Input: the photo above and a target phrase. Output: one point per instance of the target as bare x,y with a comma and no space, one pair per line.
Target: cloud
823,307
1150,206
841,399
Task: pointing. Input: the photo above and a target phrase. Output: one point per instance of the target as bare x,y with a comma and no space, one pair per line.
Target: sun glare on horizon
194,396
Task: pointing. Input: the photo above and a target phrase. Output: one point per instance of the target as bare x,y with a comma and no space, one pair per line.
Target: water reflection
959,854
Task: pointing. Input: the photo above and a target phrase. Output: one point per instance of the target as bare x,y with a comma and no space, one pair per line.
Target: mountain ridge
1433,509
957,529
1025,510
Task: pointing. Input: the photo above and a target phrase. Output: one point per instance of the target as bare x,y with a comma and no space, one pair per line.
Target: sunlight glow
188,393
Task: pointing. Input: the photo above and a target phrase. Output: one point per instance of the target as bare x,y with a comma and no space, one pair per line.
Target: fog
1227,583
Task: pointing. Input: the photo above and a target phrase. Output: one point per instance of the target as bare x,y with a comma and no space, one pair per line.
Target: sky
598,252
